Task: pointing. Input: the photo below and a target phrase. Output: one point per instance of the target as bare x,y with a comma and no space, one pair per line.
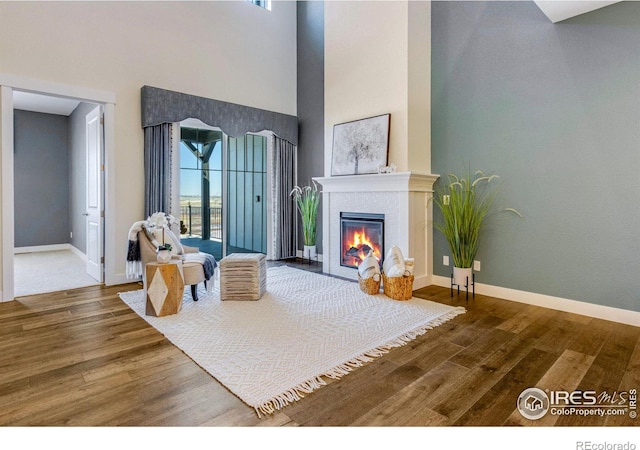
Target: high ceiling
558,10
555,10
28,101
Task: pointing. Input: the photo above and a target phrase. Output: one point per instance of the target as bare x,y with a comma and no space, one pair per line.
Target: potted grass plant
307,200
465,203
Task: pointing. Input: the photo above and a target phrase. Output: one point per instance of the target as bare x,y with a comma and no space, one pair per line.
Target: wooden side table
165,288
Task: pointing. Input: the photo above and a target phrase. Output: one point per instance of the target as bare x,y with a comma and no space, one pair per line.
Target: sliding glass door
223,188
246,201
201,173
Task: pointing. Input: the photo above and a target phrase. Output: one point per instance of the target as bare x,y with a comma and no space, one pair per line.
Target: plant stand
466,286
310,259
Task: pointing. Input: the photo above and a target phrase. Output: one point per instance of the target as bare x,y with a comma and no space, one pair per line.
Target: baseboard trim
546,301
420,282
78,252
41,248
50,248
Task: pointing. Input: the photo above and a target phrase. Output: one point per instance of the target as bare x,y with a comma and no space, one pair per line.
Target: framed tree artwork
360,146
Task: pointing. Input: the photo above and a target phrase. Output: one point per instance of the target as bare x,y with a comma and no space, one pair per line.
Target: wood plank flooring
83,358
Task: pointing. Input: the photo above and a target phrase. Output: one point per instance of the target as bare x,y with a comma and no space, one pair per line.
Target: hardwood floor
83,358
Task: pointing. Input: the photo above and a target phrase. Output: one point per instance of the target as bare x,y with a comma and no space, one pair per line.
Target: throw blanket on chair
208,262
134,265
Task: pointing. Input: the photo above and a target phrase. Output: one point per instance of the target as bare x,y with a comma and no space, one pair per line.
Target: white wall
369,71
365,69
419,90
231,51
377,61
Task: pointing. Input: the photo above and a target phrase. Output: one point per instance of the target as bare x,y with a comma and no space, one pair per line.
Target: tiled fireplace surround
403,198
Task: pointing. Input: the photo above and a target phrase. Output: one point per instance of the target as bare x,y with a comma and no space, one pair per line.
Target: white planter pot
163,256
309,252
462,276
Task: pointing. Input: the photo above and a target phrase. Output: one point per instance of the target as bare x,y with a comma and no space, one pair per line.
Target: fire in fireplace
360,233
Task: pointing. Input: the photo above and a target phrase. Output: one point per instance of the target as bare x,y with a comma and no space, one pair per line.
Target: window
201,189
266,4
244,227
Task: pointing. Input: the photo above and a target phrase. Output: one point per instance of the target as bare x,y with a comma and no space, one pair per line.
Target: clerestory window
266,4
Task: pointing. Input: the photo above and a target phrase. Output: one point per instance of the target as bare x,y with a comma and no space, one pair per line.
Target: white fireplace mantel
387,182
403,198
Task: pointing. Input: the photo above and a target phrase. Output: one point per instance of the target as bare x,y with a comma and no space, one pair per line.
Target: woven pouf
243,276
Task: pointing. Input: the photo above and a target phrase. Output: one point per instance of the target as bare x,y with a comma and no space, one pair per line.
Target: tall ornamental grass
307,199
465,203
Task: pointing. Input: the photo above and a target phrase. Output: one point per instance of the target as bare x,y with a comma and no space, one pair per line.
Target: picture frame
360,146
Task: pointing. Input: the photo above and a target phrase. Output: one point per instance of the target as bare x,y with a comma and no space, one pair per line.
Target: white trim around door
9,83
6,215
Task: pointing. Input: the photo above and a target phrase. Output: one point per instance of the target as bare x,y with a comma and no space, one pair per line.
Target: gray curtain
157,168
283,179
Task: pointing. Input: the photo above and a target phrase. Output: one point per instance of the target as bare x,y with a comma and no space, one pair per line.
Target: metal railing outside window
191,221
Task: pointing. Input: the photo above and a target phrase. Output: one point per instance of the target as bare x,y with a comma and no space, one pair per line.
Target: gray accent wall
554,109
78,174
41,179
310,56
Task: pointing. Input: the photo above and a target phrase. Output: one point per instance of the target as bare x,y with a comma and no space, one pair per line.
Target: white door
94,211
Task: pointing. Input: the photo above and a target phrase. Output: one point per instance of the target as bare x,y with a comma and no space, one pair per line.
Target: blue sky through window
191,174
191,182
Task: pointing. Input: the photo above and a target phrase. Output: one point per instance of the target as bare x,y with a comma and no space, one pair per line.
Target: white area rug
50,271
307,326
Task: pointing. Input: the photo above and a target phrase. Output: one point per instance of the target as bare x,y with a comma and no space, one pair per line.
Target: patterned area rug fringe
297,393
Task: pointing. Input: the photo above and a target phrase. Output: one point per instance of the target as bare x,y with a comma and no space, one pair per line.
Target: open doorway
55,246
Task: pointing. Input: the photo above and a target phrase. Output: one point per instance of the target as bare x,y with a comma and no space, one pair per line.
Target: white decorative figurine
369,266
393,265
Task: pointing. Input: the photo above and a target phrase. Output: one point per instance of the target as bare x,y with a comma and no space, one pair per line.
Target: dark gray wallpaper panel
163,106
310,97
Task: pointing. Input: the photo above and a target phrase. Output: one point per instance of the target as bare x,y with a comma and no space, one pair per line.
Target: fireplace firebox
360,233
